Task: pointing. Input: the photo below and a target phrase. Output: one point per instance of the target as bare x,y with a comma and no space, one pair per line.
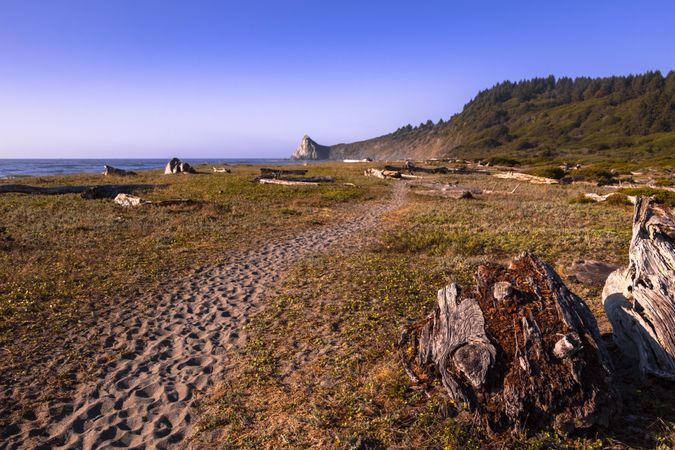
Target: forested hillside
629,118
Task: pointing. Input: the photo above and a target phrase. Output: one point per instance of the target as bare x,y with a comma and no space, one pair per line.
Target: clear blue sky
134,78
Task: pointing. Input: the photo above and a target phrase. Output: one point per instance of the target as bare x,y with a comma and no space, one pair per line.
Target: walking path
144,399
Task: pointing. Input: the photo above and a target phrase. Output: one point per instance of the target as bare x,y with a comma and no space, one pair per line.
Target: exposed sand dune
168,356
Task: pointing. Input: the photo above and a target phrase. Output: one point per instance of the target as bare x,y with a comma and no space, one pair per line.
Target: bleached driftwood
286,182
382,173
291,176
456,194
492,191
129,200
639,300
525,177
518,348
279,172
603,198
446,190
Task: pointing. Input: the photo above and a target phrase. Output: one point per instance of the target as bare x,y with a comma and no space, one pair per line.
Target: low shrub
581,199
665,181
659,195
599,175
502,161
554,172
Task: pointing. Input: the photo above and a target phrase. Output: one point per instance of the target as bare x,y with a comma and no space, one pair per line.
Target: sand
145,396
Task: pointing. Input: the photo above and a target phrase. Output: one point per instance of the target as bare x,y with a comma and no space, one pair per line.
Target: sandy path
144,398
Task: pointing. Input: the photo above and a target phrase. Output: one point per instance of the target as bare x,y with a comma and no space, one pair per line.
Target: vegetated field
540,121
66,261
321,368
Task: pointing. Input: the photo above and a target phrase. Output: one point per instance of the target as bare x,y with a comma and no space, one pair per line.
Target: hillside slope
623,118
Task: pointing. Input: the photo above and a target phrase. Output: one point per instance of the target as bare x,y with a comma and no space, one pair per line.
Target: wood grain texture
518,348
639,300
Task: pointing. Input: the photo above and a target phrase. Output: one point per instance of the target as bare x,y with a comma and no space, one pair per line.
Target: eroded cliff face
393,147
383,148
309,149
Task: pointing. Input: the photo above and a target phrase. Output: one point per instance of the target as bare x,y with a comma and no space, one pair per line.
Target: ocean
35,167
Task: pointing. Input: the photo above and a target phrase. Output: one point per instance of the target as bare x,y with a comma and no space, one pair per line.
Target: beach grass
65,260
320,367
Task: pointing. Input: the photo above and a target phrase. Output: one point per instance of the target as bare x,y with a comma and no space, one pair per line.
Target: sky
200,78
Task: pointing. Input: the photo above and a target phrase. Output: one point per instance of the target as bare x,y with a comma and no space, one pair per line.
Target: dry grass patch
321,369
65,262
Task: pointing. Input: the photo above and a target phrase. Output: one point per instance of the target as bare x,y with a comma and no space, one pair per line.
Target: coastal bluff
308,149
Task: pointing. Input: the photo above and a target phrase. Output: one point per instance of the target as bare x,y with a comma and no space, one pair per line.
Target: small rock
590,271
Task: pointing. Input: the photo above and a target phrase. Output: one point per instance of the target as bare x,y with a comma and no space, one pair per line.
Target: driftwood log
382,173
280,172
290,177
294,180
411,168
518,348
639,300
110,170
88,192
286,182
525,177
456,194
603,198
112,190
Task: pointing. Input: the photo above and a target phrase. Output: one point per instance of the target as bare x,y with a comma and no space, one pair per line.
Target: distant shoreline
18,168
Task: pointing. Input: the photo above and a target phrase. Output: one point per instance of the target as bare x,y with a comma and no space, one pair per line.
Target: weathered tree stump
518,348
639,299
177,166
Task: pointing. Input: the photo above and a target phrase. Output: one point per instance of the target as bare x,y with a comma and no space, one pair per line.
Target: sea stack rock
308,149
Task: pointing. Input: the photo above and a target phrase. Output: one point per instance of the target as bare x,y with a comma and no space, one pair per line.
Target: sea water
36,167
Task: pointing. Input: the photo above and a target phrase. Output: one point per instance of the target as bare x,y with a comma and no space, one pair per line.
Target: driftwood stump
639,299
88,192
110,170
518,348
